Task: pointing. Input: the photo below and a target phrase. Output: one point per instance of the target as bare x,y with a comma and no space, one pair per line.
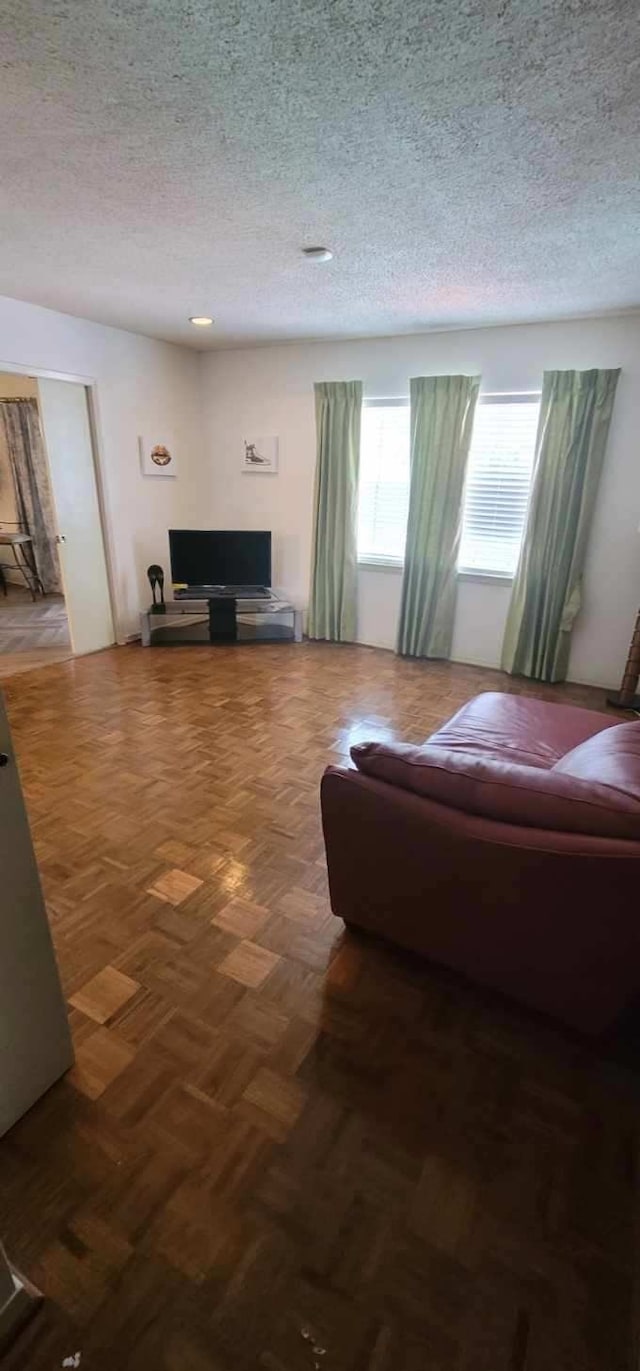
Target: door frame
97,449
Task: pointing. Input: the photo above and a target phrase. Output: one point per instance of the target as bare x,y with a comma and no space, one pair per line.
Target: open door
67,436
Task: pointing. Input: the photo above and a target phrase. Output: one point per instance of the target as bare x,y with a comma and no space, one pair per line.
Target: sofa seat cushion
509,792
518,729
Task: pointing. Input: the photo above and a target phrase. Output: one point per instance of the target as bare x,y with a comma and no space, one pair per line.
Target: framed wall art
157,458
260,456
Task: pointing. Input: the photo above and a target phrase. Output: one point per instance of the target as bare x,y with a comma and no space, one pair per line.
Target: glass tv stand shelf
222,620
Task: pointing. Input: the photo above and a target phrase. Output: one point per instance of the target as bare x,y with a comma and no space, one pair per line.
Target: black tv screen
219,557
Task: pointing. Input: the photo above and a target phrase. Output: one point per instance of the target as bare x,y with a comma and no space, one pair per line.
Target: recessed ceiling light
317,254
200,320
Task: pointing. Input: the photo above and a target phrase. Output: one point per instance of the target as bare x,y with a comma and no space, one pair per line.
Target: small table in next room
219,621
19,542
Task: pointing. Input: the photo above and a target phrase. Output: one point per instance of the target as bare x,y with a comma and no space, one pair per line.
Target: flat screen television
219,557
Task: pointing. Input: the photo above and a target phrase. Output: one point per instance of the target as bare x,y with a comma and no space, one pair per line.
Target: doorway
54,591
34,627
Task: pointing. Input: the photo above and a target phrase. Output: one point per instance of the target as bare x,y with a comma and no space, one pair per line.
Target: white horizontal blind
498,483
383,493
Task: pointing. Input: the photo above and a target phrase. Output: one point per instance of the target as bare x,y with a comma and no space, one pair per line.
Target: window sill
490,578
381,564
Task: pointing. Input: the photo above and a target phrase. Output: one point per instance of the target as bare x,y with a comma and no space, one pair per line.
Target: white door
67,436
35,1046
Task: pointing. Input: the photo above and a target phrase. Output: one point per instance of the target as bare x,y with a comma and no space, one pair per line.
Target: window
496,489
383,493
498,482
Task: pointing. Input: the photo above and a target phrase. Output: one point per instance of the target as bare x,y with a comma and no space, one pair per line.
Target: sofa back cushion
507,791
518,728
611,758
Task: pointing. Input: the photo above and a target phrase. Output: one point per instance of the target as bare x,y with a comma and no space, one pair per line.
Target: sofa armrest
521,909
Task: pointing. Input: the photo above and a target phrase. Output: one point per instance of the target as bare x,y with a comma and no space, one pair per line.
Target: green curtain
575,413
332,602
442,410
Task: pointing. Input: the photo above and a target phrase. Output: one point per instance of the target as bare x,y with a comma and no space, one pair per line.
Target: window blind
383,492
496,489
498,483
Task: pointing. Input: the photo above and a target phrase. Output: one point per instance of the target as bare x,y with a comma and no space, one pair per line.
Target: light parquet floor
33,633
278,1137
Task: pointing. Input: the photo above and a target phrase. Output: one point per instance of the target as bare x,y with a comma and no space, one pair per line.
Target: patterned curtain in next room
34,500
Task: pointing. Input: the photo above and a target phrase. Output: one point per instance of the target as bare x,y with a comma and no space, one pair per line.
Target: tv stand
221,619
225,593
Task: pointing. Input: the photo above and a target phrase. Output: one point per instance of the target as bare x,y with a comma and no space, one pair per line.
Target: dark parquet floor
284,1147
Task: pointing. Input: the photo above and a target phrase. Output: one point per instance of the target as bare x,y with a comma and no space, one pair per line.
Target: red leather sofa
507,848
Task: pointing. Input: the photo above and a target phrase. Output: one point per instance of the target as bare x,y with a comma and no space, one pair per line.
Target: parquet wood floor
281,1146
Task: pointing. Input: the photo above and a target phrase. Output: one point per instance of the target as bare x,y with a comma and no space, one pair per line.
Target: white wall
208,403
14,386
270,390
142,387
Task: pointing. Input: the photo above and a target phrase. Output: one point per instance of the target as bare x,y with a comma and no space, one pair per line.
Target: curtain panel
442,413
332,610
34,499
575,413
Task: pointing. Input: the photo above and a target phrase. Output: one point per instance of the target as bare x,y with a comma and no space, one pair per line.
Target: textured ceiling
468,162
